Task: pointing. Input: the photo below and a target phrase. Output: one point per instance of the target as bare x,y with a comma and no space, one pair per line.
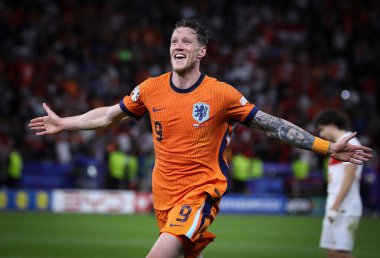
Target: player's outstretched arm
93,119
289,133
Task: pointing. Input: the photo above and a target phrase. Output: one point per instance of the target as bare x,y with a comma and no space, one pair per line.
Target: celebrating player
192,117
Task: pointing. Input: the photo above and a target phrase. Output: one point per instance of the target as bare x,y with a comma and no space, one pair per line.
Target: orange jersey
191,129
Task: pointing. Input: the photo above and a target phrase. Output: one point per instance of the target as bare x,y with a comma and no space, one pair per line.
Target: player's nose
179,45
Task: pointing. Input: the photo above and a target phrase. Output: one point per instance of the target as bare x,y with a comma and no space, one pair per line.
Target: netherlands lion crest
201,112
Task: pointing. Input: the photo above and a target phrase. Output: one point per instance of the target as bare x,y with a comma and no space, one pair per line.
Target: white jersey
352,204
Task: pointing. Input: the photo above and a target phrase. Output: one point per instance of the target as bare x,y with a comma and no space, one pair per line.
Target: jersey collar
196,84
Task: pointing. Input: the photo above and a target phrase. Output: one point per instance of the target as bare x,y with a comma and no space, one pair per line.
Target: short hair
203,33
332,117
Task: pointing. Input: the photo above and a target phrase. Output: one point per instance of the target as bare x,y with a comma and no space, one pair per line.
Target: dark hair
332,117
202,31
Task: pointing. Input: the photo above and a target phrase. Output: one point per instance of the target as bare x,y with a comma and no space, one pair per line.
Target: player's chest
177,114
184,108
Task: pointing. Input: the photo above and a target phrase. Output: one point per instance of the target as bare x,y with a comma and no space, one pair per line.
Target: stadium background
290,58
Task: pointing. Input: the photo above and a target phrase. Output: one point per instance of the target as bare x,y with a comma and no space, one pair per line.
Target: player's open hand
344,151
46,124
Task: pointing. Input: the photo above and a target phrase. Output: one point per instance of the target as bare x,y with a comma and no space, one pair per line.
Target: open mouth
179,56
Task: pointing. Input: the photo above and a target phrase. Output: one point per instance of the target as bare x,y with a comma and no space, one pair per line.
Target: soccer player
192,117
343,206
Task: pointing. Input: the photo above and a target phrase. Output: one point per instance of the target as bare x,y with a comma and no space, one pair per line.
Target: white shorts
339,235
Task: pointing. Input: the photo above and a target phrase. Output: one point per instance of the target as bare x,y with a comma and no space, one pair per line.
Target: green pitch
46,235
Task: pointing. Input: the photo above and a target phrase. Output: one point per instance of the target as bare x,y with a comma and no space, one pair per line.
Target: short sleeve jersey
191,129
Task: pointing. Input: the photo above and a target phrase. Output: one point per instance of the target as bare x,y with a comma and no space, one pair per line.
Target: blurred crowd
291,58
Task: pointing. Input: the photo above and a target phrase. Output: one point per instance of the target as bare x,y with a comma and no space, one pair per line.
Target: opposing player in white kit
343,206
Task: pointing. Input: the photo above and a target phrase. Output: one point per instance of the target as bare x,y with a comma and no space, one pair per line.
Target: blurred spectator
122,169
14,166
241,172
117,168
301,172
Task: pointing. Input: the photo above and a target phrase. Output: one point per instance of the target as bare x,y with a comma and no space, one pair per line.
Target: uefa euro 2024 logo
201,112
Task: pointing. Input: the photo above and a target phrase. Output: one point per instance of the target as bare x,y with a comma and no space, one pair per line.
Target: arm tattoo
283,130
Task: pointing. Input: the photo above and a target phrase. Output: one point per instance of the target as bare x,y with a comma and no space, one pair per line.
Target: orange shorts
188,222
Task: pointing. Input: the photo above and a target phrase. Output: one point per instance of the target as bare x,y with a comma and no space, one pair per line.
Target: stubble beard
183,70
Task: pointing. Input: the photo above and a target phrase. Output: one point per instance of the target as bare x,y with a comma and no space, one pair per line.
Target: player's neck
185,80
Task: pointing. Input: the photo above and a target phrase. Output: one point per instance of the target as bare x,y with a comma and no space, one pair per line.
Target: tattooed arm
289,133
283,130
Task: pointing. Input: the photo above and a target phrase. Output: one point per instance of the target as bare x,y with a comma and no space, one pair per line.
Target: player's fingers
37,128
37,123
356,161
360,157
349,137
48,110
41,133
363,149
37,119
363,154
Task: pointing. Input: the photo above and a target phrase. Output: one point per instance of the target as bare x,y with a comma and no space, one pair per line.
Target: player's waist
177,163
167,195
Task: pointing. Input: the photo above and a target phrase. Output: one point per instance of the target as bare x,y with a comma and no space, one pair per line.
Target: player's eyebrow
185,38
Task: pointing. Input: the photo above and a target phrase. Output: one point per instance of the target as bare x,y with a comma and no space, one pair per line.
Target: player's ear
202,52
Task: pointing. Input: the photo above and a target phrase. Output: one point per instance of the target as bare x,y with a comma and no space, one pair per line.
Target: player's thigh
345,233
339,235
327,234
166,246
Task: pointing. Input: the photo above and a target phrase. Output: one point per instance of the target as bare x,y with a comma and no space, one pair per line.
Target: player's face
326,131
185,50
